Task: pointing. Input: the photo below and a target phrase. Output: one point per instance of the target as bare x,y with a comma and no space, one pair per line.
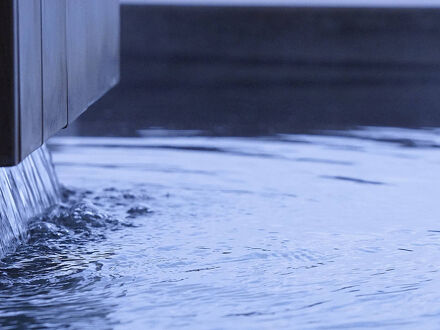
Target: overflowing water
26,191
331,231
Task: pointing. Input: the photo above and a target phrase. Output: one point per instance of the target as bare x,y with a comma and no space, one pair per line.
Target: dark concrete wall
42,64
260,70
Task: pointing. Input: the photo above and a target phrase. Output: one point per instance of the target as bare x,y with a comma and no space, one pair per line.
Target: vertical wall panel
109,35
77,57
58,56
95,46
54,66
92,51
111,61
30,83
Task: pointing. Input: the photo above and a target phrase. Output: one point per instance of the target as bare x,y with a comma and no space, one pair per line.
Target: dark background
260,70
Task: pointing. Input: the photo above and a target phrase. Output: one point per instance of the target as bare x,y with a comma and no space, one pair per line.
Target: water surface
332,230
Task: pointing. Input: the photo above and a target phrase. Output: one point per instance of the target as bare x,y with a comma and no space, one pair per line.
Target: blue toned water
26,191
338,230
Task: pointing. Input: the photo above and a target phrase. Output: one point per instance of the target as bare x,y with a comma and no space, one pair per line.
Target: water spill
184,237
26,191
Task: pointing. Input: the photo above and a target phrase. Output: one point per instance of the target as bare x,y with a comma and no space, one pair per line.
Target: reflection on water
293,231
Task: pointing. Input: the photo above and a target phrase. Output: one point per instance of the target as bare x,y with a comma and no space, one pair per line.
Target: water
26,191
338,230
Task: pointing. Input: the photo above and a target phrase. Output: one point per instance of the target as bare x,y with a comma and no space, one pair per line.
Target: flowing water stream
333,231
26,191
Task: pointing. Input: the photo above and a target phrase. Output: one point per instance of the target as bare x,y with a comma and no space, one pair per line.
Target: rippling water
339,230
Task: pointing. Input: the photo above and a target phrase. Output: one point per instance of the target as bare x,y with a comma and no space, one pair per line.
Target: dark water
339,230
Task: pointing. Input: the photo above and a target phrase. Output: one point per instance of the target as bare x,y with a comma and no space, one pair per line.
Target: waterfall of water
26,191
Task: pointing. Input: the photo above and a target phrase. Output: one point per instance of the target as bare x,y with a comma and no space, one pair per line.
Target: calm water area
337,230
